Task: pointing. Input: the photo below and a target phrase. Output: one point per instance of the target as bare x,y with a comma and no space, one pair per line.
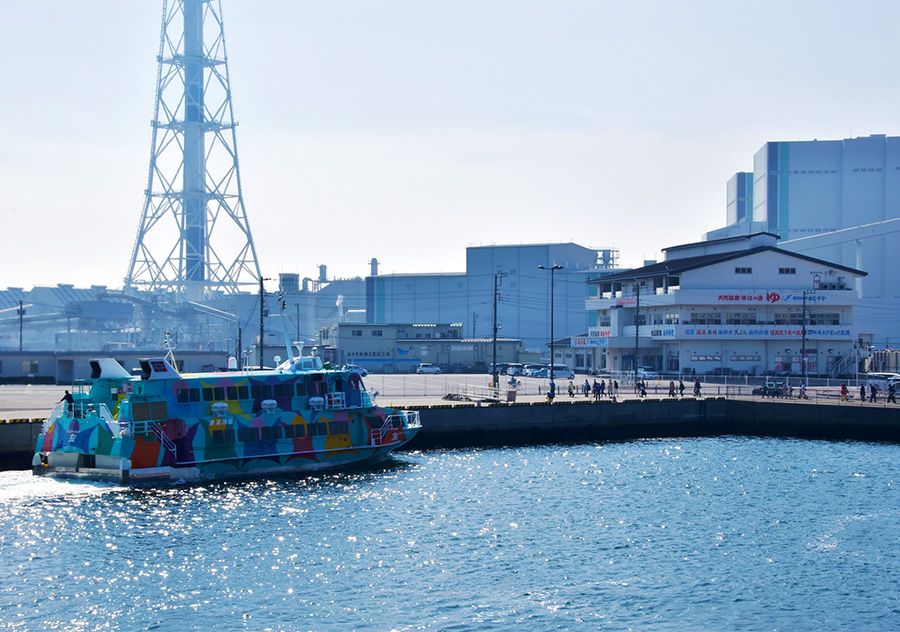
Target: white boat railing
58,411
396,421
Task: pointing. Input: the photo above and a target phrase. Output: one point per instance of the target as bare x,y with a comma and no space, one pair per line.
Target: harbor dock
453,425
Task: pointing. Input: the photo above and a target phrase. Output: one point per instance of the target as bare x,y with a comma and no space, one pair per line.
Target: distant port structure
194,270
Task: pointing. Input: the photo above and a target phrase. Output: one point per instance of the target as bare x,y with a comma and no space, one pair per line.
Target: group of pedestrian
872,393
672,388
600,389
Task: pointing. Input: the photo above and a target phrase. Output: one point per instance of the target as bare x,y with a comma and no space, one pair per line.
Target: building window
824,319
29,366
788,318
787,270
377,332
356,332
671,319
740,318
705,318
740,270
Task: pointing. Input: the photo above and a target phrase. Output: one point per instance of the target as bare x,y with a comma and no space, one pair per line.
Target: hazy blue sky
409,130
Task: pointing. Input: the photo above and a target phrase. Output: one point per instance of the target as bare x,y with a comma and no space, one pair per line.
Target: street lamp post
552,269
262,315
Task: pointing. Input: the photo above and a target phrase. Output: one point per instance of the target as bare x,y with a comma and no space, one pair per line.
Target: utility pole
298,322
474,321
240,350
497,277
262,314
803,338
552,269
637,318
21,313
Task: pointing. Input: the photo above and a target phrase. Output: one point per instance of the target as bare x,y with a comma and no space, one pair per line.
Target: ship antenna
170,350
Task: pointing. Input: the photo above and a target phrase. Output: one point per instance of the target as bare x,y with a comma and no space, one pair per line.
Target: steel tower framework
194,235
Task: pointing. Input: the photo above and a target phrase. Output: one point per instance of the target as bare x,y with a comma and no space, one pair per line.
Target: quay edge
469,425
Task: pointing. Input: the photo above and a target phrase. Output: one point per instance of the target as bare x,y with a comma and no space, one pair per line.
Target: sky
409,130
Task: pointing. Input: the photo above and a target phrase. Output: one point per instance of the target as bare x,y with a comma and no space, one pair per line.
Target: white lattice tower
194,235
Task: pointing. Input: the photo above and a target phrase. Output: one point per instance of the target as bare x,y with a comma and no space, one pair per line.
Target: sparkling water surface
711,534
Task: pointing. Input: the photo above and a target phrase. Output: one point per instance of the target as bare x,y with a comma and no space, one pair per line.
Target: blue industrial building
523,306
837,200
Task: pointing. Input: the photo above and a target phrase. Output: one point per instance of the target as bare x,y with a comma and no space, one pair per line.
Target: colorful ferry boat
165,426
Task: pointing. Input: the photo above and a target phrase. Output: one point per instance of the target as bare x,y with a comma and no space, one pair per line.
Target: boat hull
120,470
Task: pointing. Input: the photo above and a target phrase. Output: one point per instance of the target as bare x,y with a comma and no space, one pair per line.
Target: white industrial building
523,290
735,305
837,200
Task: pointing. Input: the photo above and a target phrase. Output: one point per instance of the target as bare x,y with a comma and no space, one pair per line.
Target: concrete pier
561,422
572,421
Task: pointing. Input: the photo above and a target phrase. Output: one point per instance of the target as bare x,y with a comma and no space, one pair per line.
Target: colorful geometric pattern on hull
164,426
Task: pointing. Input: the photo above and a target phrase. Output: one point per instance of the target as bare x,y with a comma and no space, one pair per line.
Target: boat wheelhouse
165,426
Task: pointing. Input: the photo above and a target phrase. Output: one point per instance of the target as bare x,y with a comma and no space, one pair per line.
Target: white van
514,368
563,371
882,381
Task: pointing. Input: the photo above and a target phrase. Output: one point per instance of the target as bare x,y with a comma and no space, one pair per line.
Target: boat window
289,432
396,423
232,392
281,390
140,411
256,390
194,394
220,393
208,394
301,388
300,431
248,434
318,429
338,385
225,435
338,427
243,392
270,433
182,396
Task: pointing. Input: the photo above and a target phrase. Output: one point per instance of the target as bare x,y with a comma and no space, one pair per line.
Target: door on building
65,371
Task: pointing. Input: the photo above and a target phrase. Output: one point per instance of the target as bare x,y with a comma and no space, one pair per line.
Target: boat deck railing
396,421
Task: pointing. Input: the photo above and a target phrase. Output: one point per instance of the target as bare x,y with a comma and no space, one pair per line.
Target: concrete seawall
459,426
467,425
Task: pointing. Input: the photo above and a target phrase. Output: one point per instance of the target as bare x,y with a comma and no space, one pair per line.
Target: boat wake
23,485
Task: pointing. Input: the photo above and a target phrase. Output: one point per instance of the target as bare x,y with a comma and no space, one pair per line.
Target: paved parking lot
20,401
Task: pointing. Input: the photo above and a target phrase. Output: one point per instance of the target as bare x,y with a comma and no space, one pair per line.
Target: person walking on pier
596,391
697,387
586,387
862,393
892,393
873,393
614,388
602,388
571,388
671,388
642,389
844,392
680,388
551,394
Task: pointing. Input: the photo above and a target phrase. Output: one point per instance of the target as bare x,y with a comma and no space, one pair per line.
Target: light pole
262,315
552,269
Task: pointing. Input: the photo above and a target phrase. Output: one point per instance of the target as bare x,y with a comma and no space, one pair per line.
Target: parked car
647,373
426,367
514,368
562,371
355,368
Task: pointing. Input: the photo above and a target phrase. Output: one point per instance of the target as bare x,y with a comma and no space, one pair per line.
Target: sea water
711,534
